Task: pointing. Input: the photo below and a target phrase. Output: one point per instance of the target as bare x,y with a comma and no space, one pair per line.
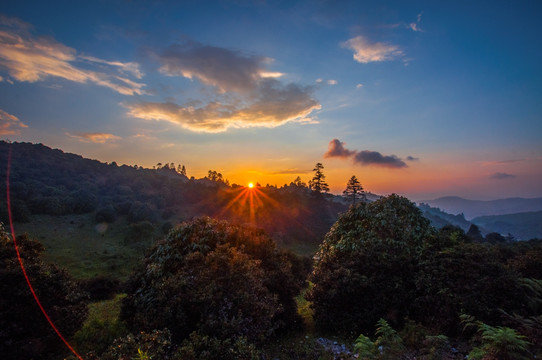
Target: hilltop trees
318,182
354,190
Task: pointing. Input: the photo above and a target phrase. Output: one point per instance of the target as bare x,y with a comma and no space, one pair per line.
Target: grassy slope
85,249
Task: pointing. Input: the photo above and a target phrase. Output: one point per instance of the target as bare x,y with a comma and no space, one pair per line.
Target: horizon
423,100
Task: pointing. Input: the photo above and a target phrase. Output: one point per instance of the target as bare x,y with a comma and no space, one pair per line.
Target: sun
251,185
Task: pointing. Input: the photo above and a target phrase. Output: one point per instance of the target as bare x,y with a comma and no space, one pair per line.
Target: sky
420,98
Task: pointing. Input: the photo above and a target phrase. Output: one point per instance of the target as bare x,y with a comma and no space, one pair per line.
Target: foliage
388,344
366,348
106,214
499,343
202,347
153,345
101,287
370,253
24,331
222,280
97,335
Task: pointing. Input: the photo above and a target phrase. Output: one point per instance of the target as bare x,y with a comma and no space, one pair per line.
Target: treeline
49,181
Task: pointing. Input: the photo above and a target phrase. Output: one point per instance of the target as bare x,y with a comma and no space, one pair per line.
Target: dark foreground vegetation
383,284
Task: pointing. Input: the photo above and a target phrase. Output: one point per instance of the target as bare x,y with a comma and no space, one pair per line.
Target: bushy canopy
24,331
364,269
222,280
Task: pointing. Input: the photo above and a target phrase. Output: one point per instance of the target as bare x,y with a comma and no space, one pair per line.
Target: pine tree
318,182
354,190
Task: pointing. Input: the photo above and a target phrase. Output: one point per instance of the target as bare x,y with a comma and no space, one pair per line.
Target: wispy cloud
332,82
415,26
274,104
412,158
366,52
99,138
10,124
501,162
502,176
336,149
30,59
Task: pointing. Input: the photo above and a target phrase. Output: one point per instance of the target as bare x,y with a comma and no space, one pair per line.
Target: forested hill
50,181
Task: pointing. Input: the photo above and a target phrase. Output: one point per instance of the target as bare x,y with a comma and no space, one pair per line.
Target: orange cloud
366,52
29,59
274,105
10,124
99,138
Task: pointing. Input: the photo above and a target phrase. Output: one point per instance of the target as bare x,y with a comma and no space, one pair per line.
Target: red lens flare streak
23,268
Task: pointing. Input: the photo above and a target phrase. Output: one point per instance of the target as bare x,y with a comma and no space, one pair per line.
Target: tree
474,233
318,182
221,280
369,253
298,182
354,190
24,331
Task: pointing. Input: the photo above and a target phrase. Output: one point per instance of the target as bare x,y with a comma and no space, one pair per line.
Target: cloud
367,157
412,158
336,149
99,138
359,86
30,59
274,104
332,82
226,69
366,52
502,176
10,124
501,162
415,26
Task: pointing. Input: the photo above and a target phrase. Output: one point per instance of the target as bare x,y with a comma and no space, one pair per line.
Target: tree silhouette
354,190
318,182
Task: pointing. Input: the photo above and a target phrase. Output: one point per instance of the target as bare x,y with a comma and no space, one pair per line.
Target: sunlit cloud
502,176
27,58
99,138
501,162
332,82
10,124
415,26
366,52
336,149
274,105
226,69
359,86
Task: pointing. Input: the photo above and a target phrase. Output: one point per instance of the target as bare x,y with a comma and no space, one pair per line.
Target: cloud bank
27,58
248,94
366,52
336,149
10,124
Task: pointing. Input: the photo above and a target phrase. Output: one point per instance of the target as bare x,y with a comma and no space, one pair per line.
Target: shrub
24,331
364,269
202,347
106,214
221,280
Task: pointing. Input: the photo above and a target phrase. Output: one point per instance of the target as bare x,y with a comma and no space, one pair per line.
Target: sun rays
247,200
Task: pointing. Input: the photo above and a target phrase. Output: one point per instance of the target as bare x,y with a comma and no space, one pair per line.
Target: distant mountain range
476,208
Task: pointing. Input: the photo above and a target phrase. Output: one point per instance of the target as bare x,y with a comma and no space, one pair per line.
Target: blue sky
419,98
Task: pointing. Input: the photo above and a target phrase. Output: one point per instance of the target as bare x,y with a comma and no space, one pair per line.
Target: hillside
523,226
476,208
129,206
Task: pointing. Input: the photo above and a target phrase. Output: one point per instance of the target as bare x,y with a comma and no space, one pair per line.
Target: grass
82,247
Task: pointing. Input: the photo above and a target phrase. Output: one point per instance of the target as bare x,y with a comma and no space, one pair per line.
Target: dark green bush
106,214
365,268
24,331
221,280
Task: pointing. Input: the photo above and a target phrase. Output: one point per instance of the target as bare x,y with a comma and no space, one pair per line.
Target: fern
365,348
500,343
